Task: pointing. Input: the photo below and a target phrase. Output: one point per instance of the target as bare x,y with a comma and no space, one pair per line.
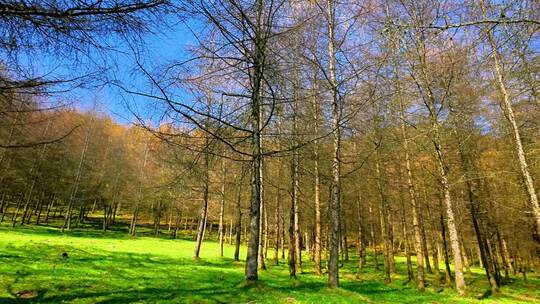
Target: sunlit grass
112,268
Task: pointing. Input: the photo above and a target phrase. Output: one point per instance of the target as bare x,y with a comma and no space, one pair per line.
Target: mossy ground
113,268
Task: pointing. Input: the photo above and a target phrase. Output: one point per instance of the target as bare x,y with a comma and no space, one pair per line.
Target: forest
269,151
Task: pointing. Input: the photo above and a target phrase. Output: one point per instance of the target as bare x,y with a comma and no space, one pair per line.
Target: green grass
112,268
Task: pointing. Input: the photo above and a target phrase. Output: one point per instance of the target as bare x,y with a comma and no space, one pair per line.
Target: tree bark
222,208
333,269
133,223
510,116
448,273
204,208
372,236
238,224
431,102
384,223
417,228
278,226
360,245
258,66
73,194
317,194
291,258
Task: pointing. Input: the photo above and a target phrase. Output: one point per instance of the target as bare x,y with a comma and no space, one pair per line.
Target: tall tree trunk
464,257
266,233
417,228
296,179
24,215
431,102
333,269
49,208
345,239
473,207
134,218
425,250
2,203
231,227
435,246
504,252
360,245
262,257
317,192
410,272
177,222
278,225
222,208
34,174
40,208
204,208
73,194
294,225
448,273
257,101
372,236
450,219
238,224
384,220
157,218
510,116
291,258
105,213
16,213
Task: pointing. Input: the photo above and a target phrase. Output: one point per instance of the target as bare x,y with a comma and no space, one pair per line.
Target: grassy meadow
112,268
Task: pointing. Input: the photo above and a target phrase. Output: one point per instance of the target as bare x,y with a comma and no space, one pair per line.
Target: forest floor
112,268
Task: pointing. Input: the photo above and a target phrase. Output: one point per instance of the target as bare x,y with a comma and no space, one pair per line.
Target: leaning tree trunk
417,229
204,208
452,231
34,176
49,208
73,194
447,272
445,185
134,218
508,110
431,104
468,167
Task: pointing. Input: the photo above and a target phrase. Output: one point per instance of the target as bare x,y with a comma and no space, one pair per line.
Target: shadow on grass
35,272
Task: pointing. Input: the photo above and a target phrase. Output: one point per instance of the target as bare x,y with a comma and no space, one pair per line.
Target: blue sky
159,49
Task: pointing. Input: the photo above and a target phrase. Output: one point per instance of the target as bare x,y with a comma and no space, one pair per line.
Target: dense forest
308,132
